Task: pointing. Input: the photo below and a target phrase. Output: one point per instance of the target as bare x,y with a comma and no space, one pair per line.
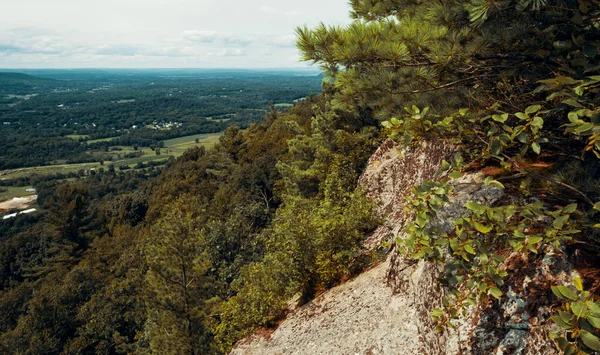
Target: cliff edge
386,310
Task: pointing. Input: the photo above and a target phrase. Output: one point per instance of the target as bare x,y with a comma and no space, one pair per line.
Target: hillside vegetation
192,260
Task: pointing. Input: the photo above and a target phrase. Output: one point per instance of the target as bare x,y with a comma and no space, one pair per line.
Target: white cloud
275,11
34,40
117,49
159,33
282,41
294,58
231,52
202,36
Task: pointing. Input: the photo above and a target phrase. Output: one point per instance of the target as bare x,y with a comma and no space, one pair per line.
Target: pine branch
567,186
503,56
434,88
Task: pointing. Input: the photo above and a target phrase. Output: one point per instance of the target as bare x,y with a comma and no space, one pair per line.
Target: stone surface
362,316
390,175
386,310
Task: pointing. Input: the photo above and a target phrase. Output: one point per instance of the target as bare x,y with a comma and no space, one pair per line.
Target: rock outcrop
386,310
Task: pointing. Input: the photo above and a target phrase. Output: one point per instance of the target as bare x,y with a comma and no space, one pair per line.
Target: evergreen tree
178,288
450,54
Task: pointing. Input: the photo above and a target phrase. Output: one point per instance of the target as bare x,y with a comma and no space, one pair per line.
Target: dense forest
60,116
216,245
123,262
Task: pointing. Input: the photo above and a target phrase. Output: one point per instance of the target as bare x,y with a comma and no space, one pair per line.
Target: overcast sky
158,33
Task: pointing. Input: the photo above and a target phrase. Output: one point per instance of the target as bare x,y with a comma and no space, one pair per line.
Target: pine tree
450,54
178,288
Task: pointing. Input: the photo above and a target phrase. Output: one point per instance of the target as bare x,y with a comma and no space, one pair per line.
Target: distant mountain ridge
23,84
22,78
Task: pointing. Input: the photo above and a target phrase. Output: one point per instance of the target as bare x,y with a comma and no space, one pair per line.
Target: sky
158,33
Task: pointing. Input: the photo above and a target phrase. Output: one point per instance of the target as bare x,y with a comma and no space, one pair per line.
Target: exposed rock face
386,310
389,177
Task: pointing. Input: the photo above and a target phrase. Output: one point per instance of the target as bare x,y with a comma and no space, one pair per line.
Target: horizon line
165,68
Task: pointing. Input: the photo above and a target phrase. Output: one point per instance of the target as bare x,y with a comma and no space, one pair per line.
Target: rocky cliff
386,310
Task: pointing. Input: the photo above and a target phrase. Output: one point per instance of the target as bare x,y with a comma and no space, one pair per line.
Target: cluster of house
168,125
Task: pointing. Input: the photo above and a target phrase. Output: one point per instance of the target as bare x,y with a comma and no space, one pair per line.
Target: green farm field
177,146
172,148
14,192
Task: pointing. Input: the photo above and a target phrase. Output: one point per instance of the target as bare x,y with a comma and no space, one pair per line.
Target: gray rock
386,310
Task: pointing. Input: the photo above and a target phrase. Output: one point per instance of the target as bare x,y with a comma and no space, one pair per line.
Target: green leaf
436,312
496,146
499,259
584,128
597,206
577,283
518,234
573,116
497,184
532,109
555,334
594,321
559,80
537,122
456,174
474,206
482,287
589,50
560,322
495,292
483,228
417,256
522,116
454,244
535,239
556,292
560,221
523,137
579,309
445,165
594,309
483,259
469,249
590,340
577,19
489,182
570,208
536,147
387,124
567,292
532,248
566,316
571,350
421,222
500,118
517,246
572,102
440,191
